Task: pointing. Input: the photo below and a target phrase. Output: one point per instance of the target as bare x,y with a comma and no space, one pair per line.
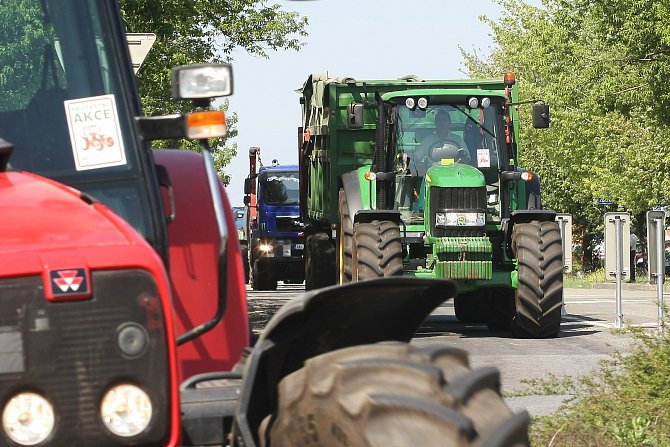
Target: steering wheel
448,149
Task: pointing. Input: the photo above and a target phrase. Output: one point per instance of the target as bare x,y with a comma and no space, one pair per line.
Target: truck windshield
280,188
66,106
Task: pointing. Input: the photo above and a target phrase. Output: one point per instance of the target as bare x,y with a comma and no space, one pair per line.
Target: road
587,337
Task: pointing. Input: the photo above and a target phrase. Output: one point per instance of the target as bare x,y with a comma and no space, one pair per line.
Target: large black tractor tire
244,251
377,250
393,394
539,296
345,235
470,308
320,270
262,276
500,309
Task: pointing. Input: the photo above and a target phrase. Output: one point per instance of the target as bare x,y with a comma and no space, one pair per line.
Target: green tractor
421,178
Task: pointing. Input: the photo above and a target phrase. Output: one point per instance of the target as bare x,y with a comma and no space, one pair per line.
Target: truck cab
276,232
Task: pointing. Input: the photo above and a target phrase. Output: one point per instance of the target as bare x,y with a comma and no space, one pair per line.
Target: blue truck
273,231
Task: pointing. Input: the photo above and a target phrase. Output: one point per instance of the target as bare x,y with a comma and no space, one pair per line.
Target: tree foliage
205,31
604,67
24,36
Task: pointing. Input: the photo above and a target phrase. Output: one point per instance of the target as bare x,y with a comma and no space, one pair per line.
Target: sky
363,39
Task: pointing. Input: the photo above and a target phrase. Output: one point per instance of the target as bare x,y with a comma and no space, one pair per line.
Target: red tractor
123,317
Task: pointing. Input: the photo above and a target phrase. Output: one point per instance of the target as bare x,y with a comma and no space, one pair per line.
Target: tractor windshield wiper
474,121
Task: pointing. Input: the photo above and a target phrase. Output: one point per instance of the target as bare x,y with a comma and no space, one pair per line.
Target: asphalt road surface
588,335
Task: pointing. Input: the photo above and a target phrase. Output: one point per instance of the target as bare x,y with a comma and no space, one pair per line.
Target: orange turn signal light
527,176
206,124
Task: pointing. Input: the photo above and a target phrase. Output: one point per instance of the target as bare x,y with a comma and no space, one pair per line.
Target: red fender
193,244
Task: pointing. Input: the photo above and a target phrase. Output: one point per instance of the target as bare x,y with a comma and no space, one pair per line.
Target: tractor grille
456,200
67,352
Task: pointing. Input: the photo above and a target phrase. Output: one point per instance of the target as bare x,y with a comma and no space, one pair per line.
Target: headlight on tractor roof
28,419
126,410
460,219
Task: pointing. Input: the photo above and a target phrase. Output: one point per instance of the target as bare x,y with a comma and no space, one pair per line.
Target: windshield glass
280,188
445,134
448,132
64,104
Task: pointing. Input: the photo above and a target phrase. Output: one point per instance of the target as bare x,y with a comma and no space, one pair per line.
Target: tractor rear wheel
345,234
539,296
377,250
393,394
501,309
470,308
319,262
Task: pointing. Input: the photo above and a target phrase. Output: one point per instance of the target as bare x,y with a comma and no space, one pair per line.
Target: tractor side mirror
247,200
247,185
540,116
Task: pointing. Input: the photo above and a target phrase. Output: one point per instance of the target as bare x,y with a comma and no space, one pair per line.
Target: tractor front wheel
539,296
377,250
393,394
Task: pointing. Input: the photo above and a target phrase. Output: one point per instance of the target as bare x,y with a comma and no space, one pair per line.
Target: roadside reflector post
617,266
661,276
564,221
656,257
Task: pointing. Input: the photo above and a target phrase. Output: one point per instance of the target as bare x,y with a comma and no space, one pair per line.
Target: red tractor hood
46,226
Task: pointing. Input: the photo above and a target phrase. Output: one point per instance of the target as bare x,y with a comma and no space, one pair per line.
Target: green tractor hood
454,175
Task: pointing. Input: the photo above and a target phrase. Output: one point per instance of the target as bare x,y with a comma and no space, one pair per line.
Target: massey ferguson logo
69,283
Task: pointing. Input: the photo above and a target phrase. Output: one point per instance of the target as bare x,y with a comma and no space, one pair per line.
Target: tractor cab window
280,188
66,108
444,134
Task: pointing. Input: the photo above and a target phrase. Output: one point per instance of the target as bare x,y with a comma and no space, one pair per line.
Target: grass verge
626,403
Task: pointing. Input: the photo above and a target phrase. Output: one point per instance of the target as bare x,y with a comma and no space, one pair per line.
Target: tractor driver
442,144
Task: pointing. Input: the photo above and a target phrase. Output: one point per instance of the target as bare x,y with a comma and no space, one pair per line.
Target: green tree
603,67
24,36
205,31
